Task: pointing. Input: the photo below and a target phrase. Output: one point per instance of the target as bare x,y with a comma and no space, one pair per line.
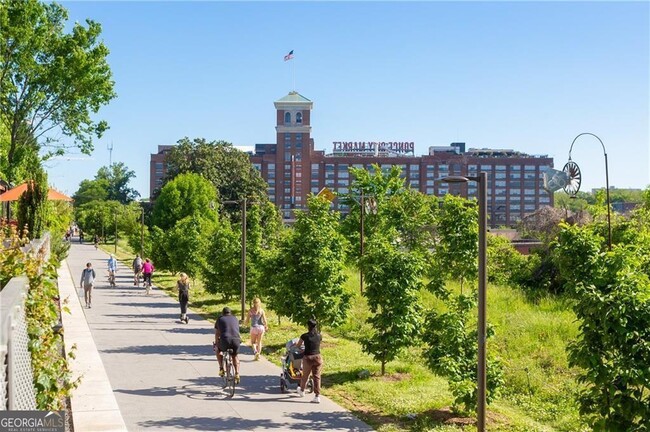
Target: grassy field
531,340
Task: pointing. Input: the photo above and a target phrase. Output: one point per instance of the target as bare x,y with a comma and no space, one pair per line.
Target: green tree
51,82
376,188
188,243
117,177
451,351
456,254
612,301
110,183
223,271
227,168
309,276
393,277
264,226
32,205
184,196
504,263
91,190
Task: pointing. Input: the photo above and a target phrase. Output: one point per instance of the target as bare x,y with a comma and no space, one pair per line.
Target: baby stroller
292,368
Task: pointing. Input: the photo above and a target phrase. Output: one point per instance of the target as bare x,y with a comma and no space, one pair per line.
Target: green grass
531,339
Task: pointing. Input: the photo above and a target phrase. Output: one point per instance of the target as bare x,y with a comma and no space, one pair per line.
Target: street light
244,203
481,179
142,232
609,221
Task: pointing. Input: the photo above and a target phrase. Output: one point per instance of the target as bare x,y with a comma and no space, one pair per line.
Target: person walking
147,271
226,336
312,362
183,285
112,268
87,281
259,326
137,269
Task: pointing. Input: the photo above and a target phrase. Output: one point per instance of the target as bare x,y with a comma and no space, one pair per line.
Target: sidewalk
164,374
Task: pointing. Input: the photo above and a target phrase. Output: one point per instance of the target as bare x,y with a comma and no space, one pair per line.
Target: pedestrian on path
87,281
137,269
312,362
112,268
259,326
183,285
147,271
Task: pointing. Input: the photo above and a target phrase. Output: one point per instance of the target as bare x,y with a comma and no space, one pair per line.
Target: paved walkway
164,373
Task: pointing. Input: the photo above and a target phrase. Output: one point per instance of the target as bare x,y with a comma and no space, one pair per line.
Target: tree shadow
191,330
195,350
148,305
211,424
342,377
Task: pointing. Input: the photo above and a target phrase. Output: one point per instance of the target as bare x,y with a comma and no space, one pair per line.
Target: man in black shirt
226,336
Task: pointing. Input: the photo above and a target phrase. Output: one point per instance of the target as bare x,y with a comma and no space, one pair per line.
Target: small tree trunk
383,367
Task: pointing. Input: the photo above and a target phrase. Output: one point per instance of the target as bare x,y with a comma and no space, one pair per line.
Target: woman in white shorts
259,326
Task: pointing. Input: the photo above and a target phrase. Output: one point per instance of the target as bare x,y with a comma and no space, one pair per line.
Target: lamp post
116,232
244,204
481,179
142,232
609,221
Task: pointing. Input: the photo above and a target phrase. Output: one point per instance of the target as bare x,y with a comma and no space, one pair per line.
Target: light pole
481,179
609,221
115,232
244,203
142,232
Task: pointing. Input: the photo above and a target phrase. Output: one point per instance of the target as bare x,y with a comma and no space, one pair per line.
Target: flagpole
293,73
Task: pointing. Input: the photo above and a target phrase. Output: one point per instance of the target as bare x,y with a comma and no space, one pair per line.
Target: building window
287,118
486,167
257,166
299,117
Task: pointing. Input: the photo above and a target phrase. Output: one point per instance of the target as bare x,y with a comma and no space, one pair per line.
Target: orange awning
15,193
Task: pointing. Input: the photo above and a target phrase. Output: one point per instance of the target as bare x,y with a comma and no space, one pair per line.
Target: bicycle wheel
231,379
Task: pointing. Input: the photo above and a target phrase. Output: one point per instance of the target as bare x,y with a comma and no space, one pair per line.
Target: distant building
293,168
158,168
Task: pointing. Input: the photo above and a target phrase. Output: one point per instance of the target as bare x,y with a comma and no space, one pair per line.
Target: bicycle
147,283
229,368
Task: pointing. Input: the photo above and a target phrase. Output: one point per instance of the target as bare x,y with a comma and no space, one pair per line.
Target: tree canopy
184,196
110,183
51,82
228,168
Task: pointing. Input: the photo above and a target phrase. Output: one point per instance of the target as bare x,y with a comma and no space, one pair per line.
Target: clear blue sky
526,76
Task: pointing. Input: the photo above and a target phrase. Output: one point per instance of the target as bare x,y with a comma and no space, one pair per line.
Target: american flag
289,56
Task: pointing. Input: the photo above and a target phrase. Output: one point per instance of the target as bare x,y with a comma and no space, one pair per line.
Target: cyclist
96,241
137,269
112,268
147,271
226,336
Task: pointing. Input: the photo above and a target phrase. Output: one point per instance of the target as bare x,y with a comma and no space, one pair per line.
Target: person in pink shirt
147,271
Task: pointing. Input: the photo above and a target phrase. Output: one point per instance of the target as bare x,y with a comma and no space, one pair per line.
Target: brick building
293,168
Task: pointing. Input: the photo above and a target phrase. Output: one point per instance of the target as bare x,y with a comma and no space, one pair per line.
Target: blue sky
529,76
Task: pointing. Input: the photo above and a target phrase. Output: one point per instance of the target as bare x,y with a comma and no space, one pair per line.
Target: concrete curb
94,407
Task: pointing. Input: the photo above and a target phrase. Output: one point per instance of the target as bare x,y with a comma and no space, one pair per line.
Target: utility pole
142,233
243,259
110,153
116,232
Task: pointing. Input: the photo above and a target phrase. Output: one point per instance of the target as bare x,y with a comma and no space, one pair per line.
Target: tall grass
531,339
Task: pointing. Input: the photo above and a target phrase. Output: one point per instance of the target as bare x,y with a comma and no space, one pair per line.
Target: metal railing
17,390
